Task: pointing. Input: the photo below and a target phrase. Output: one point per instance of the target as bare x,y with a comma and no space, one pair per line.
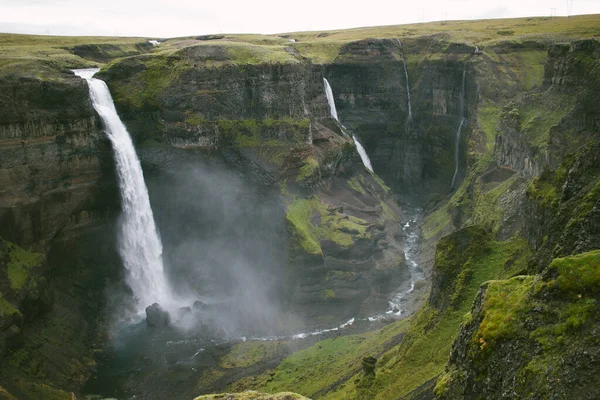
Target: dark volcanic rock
156,316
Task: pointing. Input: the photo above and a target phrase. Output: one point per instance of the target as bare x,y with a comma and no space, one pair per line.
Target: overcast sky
168,18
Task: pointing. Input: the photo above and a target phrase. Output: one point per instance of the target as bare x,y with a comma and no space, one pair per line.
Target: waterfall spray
139,244
361,150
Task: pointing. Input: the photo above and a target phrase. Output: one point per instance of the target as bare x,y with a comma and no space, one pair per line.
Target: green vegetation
545,322
20,263
309,221
39,391
541,112
45,57
252,395
309,169
503,307
6,308
312,370
579,274
247,354
488,117
331,369
486,210
299,220
355,185
155,73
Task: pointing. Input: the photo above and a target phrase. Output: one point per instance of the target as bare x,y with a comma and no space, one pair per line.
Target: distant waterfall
407,84
361,150
139,245
459,130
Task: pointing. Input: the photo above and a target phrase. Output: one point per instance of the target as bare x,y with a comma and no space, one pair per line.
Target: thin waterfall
140,247
459,130
407,85
361,150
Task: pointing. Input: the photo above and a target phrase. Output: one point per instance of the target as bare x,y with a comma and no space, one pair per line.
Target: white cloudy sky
168,18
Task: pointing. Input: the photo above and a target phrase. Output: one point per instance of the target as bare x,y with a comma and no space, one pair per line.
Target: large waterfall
460,126
139,244
407,84
361,150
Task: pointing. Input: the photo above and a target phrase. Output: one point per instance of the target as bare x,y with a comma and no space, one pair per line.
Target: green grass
315,368
579,274
309,221
486,209
44,57
20,264
504,305
6,308
247,354
252,395
541,112
488,117
423,353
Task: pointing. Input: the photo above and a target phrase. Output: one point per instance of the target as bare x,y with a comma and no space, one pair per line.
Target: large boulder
156,316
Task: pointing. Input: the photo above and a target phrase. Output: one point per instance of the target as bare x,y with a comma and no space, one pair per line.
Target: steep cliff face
271,122
530,337
57,199
534,335
416,154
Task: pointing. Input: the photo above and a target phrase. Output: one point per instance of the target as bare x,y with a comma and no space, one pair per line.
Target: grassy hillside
45,56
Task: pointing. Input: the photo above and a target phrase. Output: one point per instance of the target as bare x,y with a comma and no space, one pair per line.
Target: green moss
311,370
444,381
299,221
578,274
252,395
355,185
309,169
543,192
486,209
503,309
488,118
40,391
542,111
328,294
6,308
309,221
20,264
247,354
156,73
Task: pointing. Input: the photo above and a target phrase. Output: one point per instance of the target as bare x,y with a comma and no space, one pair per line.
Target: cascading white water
361,150
458,131
407,85
330,100
139,244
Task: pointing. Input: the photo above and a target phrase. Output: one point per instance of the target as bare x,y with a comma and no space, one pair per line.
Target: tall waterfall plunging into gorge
361,150
458,131
409,118
140,247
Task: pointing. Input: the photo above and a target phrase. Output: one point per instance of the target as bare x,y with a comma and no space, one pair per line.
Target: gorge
441,243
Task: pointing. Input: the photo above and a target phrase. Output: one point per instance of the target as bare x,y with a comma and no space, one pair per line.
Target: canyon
465,263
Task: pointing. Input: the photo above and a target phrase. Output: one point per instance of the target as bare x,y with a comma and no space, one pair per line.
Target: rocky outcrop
529,337
57,199
539,129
